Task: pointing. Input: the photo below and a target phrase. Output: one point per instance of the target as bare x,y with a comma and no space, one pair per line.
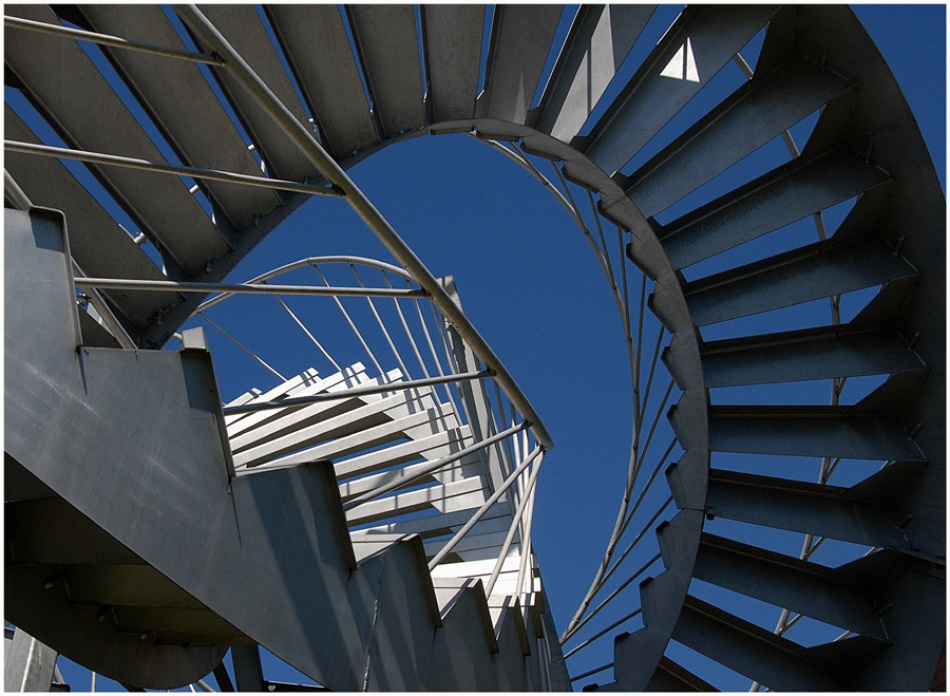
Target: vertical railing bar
238,344
405,326
525,548
626,552
506,449
522,159
646,487
585,230
427,334
653,361
603,632
570,197
639,348
522,491
382,326
451,363
474,519
626,290
515,445
524,448
642,533
511,532
595,584
309,335
643,568
656,419
359,336
603,243
638,456
415,349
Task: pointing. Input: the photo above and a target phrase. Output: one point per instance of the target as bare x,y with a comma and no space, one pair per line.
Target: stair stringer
267,551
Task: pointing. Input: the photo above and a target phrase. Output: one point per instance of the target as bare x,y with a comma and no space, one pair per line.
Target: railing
422,437
632,551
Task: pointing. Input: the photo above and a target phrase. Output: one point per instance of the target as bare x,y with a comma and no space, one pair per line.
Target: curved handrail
338,178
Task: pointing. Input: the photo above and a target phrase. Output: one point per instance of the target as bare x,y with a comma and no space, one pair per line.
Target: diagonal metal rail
334,174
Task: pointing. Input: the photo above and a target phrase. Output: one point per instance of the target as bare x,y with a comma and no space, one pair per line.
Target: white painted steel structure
395,487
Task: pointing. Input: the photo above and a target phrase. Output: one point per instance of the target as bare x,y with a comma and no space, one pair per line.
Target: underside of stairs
240,557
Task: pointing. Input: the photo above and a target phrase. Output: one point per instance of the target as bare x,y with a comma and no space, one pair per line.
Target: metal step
520,40
707,36
201,134
810,431
808,508
242,27
74,96
779,198
755,114
598,43
385,37
804,587
771,660
336,98
827,352
810,273
453,47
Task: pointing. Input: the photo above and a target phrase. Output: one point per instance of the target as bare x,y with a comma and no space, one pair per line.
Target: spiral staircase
150,530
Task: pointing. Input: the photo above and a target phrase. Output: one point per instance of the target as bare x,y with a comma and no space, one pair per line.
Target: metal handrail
337,177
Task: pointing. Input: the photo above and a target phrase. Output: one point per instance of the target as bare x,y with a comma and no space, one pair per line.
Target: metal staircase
150,149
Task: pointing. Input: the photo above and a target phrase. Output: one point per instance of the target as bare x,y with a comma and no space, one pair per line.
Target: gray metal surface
76,97
453,47
386,42
336,98
809,431
823,353
800,507
243,28
776,199
865,144
810,273
599,40
750,650
101,246
806,588
27,664
203,135
520,41
755,114
161,593
650,99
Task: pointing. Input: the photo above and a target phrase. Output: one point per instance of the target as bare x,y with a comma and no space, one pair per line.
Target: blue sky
531,286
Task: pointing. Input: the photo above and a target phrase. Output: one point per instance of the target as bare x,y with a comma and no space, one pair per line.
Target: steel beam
804,587
815,431
704,37
784,195
598,42
753,115
801,507
820,354
755,652
811,273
